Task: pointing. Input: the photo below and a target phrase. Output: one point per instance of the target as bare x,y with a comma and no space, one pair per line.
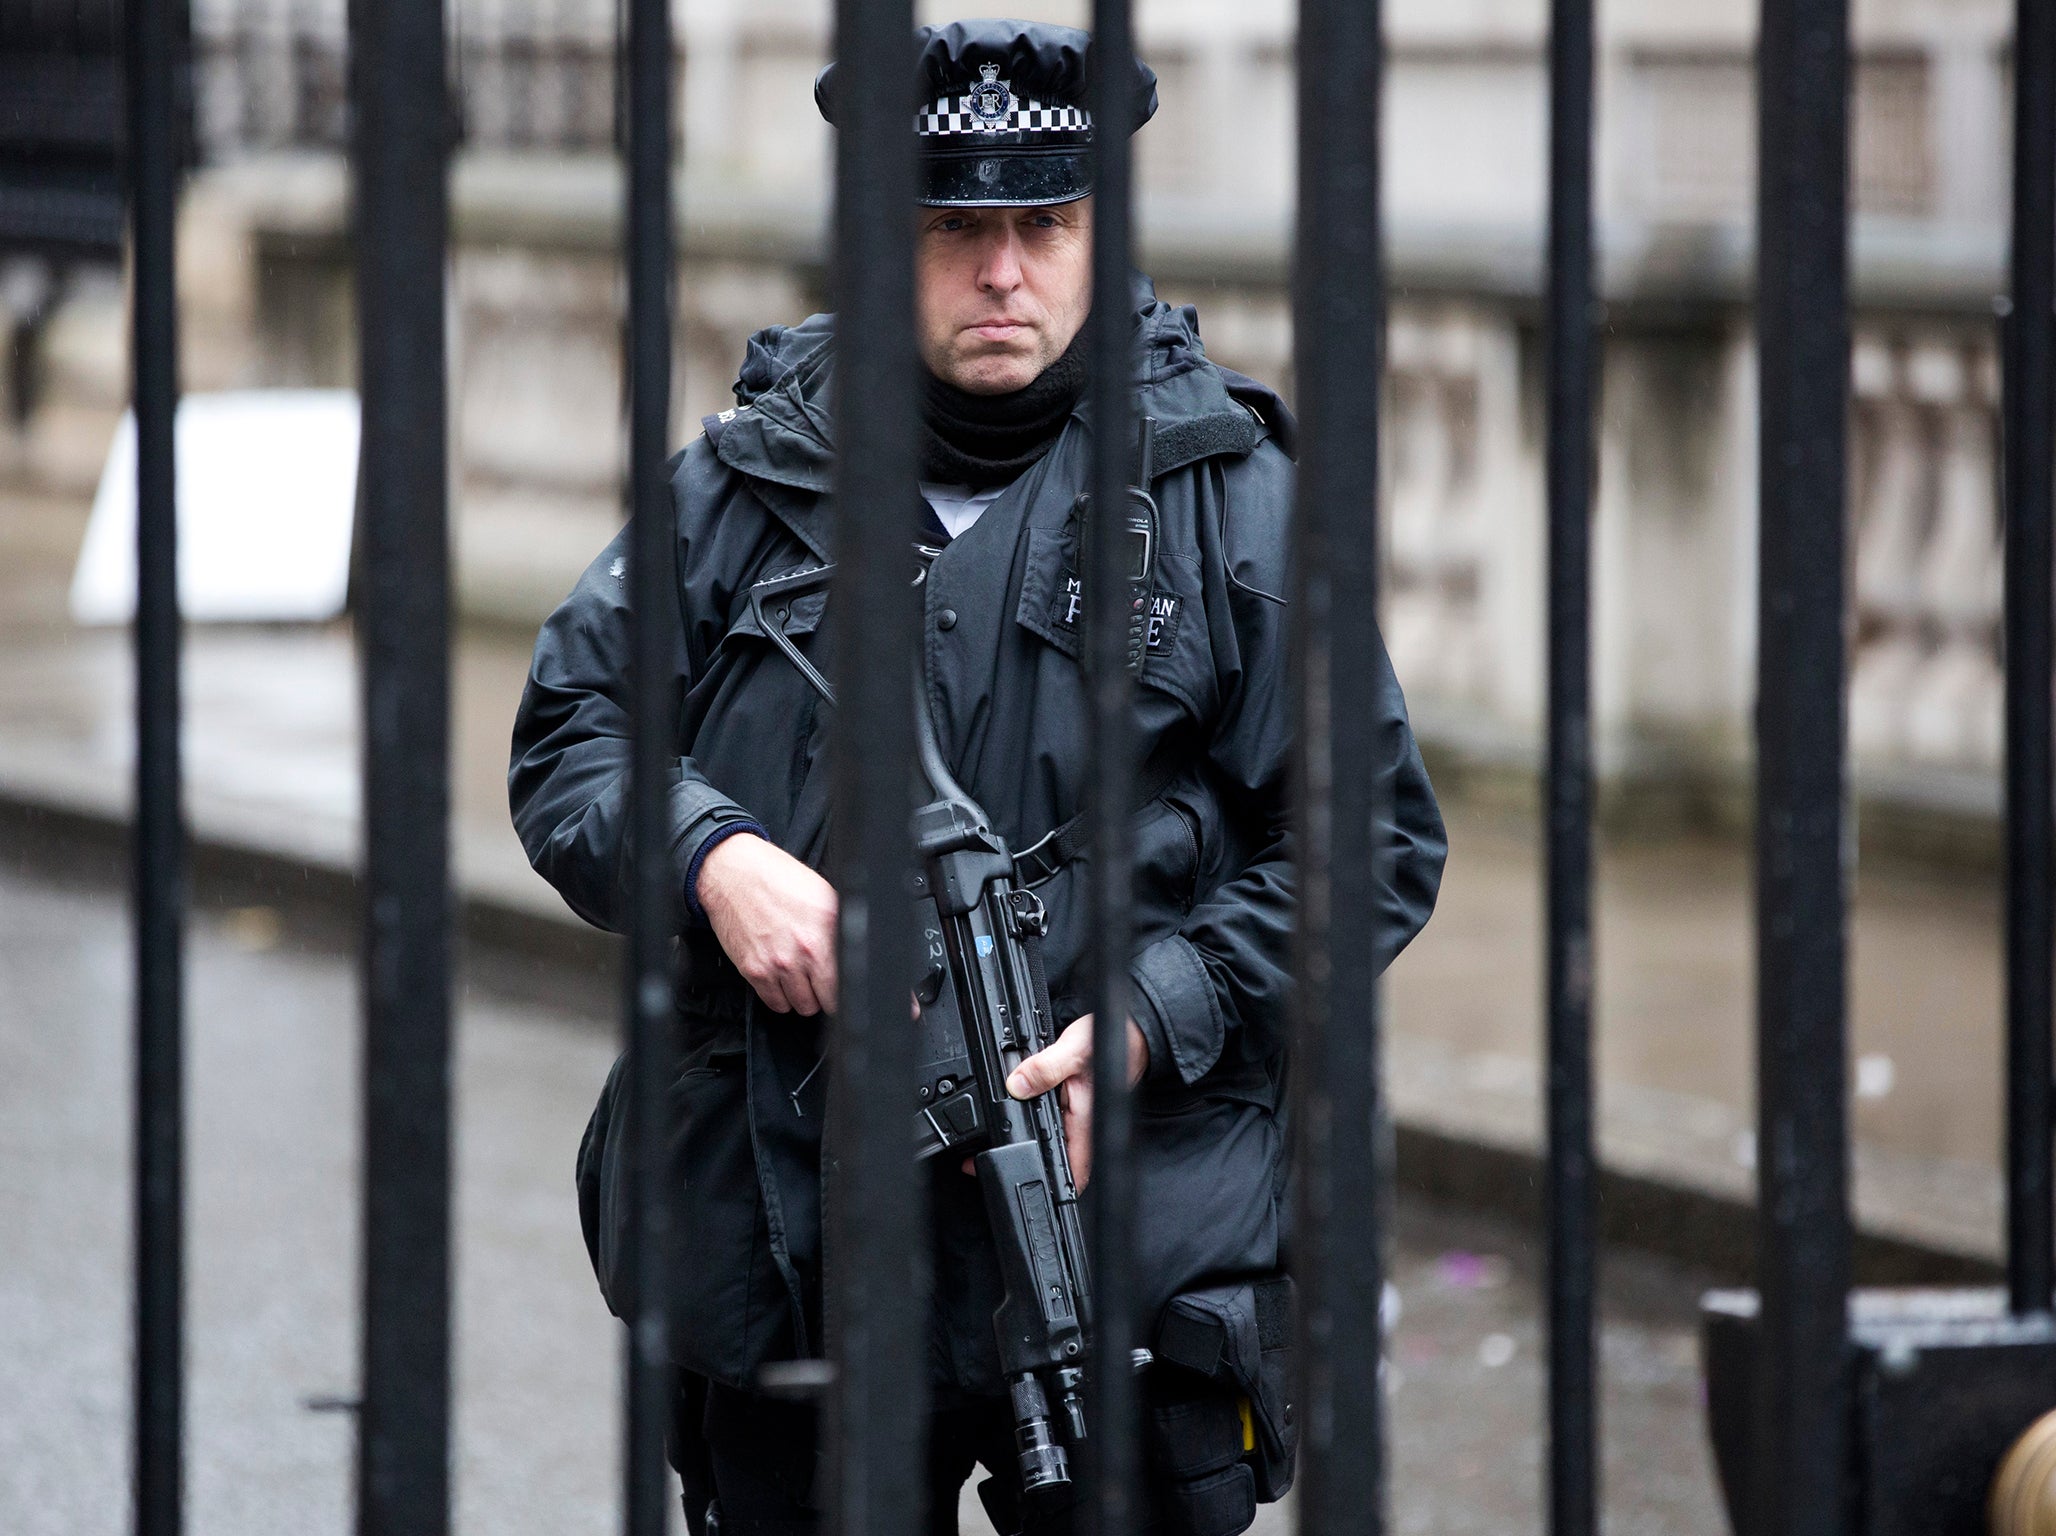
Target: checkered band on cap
953,114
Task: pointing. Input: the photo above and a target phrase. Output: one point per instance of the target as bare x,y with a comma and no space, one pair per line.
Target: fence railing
400,153
873,1384
160,862
1803,1265
646,349
1341,1138
1114,1452
1571,1200
2029,395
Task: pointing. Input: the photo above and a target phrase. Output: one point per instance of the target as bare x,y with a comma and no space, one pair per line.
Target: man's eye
1044,221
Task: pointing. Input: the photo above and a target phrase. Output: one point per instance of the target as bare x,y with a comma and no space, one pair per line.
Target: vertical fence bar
1802,333
1338,1110
1110,1197
402,217
1571,1197
153,47
877,1293
2030,401
649,1381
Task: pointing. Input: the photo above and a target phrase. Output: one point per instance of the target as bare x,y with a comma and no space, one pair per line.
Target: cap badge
991,99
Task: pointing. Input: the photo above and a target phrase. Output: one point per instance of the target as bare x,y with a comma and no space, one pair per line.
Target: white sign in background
267,490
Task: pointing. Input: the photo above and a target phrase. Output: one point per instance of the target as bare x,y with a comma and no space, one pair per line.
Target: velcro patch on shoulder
1230,432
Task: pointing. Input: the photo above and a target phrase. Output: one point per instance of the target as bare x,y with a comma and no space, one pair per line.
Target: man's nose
1001,269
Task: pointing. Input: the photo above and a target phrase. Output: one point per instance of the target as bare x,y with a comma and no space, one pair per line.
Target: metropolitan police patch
1163,622
990,106
1161,631
991,99
1069,604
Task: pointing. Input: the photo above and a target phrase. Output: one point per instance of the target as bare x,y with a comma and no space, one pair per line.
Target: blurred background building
536,316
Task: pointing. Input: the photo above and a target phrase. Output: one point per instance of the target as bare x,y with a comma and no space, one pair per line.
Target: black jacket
1214,878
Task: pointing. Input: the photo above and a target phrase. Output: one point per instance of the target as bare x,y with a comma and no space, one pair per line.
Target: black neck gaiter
987,440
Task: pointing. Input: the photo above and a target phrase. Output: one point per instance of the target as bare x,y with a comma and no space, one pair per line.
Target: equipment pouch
1240,1336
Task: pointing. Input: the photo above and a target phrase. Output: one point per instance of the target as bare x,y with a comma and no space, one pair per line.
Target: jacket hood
775,351
781,429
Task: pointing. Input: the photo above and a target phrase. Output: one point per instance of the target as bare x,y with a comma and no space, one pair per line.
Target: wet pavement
273,1201
272,765
273,1130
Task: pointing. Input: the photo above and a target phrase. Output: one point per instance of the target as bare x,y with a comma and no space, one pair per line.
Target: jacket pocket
1188,822
1052,600
1165,841
1177,659
726,1298
592,1175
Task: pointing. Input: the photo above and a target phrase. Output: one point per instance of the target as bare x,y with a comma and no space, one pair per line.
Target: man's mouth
998,330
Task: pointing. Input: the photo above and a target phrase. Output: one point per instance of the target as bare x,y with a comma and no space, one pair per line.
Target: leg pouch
1192,1444
1222,1503
1239,1337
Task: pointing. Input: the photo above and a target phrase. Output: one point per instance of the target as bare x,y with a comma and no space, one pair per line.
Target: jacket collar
782,434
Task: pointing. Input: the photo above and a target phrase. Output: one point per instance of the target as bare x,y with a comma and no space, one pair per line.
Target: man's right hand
775,919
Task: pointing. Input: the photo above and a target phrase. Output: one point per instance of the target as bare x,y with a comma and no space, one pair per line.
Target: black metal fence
1803,381
400,155
1341,1138
160,863
398,98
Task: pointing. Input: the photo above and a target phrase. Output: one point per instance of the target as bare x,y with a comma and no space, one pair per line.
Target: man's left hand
1067,1066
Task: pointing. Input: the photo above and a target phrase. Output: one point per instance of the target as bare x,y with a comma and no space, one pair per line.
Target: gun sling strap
1041,860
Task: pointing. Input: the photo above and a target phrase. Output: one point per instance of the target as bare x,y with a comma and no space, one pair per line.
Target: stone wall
535,322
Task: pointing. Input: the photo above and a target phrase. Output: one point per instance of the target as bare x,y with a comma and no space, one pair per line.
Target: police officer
1003,264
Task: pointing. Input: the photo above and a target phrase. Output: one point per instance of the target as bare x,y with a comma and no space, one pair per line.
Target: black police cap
1000,113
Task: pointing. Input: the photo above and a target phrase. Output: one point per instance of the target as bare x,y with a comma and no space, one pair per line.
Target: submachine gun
984,1009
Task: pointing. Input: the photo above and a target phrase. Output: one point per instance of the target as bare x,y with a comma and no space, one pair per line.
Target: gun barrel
1043,1463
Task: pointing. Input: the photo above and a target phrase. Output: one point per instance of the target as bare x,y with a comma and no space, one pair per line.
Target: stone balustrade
1466,95
1926,686
536,295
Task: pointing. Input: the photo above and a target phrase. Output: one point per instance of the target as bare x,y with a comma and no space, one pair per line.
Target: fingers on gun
1078,1127
1037,1075
1067,1057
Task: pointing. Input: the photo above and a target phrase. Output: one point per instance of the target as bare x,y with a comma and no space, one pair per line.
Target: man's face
1000,292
